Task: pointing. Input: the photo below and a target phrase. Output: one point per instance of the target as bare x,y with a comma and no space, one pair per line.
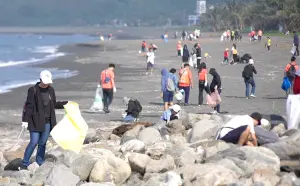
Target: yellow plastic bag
71,131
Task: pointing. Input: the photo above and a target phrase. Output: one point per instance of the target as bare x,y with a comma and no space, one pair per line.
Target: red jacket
296,87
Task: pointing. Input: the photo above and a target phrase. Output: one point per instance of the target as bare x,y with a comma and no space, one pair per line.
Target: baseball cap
251,61
176,108
46,77
257,116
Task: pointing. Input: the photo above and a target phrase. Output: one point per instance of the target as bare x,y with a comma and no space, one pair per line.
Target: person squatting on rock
249,79
186,82
171,114
215,85
39,117
240,130
203,84
108,86
134,108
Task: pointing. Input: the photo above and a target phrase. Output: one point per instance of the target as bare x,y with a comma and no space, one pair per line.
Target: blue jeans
40,139
129,118
249,82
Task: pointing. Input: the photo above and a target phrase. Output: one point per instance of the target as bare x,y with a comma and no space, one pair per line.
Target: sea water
20,53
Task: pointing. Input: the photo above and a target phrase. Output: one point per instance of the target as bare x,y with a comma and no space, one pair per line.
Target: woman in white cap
171,114
39,117
248,78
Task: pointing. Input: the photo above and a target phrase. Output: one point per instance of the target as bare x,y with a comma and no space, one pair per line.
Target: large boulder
165,164
133,146
157,150
176,127
279,129
61,175
204,129
185,155
109,168
172,179
21,177
135,179
215,146
265,176
41,174
207,174
149,136
98,184
178,139
138,162
131,134
82,166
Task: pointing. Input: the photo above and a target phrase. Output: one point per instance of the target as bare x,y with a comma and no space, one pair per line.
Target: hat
126,100
227,49
176,108
46,77
257,116
251,62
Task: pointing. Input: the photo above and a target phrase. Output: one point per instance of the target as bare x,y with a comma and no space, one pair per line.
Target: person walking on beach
226,55
143,47
150,61
234,54
249,79
215,85
290,71
260,33
296,43
108,86
186,82
186,54
198,55
39,117
269,44
179,49
239,128
203,84
168,88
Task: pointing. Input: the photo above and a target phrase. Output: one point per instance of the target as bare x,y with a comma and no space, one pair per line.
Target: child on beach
179,49
150,61
226,55
269,43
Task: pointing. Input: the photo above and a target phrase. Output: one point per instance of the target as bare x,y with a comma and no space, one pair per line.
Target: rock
279,129
172,179
41,174
2,160
204,129
33,167
109,168
152,179
156,150
7,181
114,137
266,125
207,174
12,155
290,132
265,176
133,146
216,146
48,157
242,182
22,177
194,118
176,127
98,184
165,164
61,175
149,136
82,166
184,156
178,139
285,150
138,162
288,179
135,179
14,165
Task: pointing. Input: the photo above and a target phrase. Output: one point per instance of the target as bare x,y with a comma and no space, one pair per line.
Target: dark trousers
269,47
198,63
249,82
297,50
186,94
259,38
218,107
107,97
201,88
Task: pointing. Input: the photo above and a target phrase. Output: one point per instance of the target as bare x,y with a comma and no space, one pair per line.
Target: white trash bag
293,50
178,96
98,103
191,62
293,111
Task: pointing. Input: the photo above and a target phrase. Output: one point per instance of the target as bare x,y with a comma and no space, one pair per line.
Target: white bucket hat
251,62
46,77
176,108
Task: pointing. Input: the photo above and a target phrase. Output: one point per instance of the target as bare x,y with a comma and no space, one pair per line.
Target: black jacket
34,112
132,109
198,52
250,70
216,81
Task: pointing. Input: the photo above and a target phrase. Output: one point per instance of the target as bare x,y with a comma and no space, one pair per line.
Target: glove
216,87
115,89
24,125
98,86
205,84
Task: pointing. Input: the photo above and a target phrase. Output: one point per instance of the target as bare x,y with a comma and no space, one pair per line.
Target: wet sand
131,81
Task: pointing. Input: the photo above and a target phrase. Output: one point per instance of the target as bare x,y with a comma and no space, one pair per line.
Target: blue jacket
175,80
164,79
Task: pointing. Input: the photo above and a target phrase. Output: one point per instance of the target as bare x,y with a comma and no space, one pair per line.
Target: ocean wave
12,85
46,49
32,60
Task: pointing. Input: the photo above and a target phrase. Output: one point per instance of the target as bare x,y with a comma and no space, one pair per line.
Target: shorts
168,96
234,135
150,65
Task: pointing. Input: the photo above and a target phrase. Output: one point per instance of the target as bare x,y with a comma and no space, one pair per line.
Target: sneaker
106,111
247,97
214,112
23,167
252,95
186,104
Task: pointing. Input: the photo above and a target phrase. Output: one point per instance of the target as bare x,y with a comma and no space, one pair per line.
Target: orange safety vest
202,75
184,80
179,46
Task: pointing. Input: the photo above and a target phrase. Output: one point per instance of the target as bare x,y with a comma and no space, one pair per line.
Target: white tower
201,7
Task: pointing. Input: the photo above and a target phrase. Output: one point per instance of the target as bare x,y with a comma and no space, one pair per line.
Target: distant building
200,9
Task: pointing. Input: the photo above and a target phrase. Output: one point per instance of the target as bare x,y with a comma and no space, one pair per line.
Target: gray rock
165,164
215,147
285,150
135,179
149,136
265,176
138,162
178,139
114,137
124,139
109,168
290,132
184,156
131,134
61,175
154,179
22,177
242,182
157,150
98,184
279,129
288,179
207,174
133,146
82,166
41,174
186,120
204,129
176,127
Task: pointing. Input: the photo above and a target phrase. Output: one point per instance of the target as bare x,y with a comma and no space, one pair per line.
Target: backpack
291,72
247,72
138,106
170,85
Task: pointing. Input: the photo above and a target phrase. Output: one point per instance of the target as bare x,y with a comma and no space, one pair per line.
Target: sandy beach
90,58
